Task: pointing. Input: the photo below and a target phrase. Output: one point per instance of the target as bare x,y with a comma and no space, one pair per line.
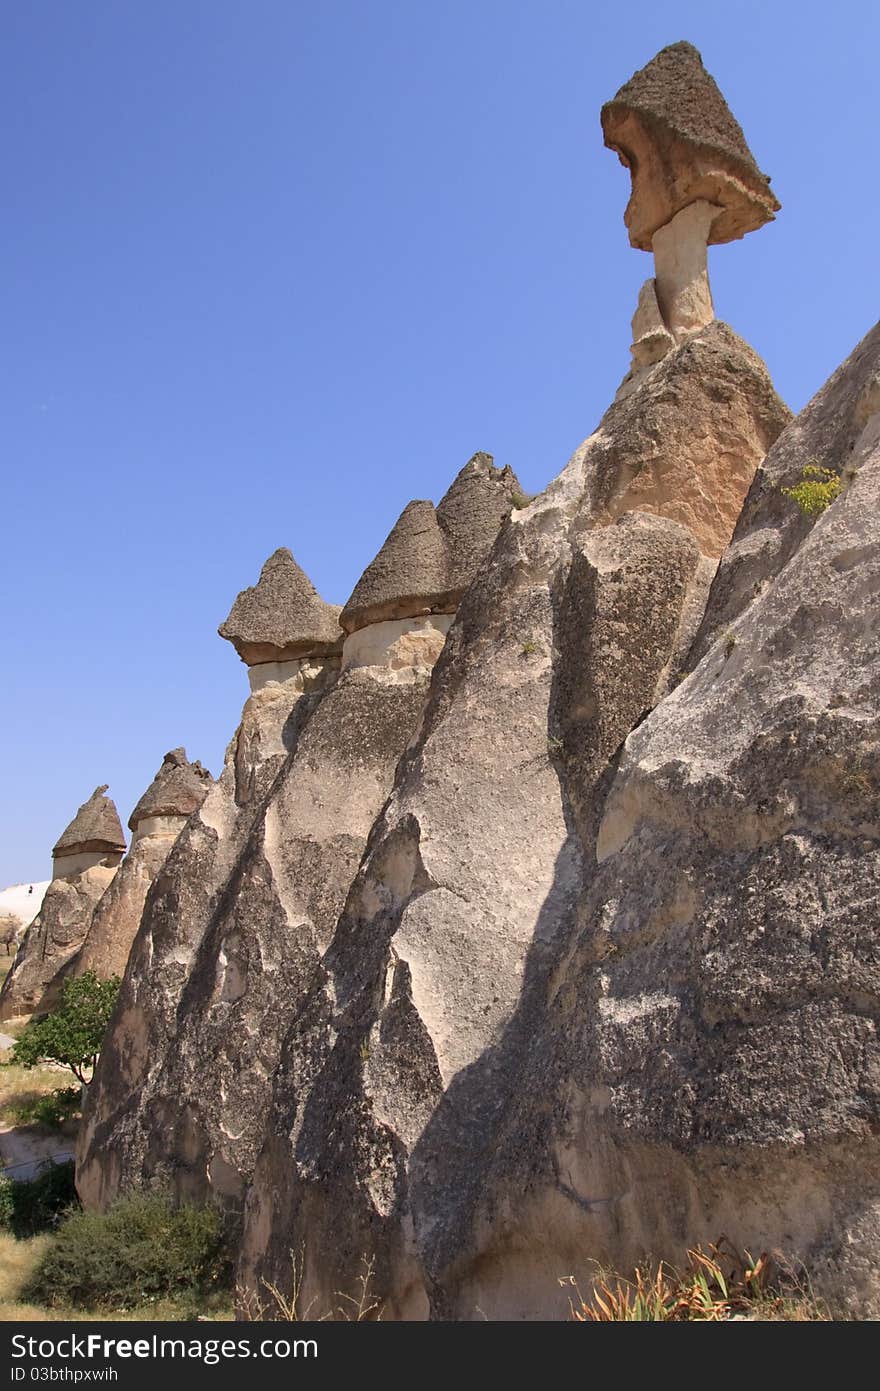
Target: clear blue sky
271,269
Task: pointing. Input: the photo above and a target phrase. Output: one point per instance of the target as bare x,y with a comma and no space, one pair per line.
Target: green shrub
29,1206
142,1248
52,1110
72,1034
816,490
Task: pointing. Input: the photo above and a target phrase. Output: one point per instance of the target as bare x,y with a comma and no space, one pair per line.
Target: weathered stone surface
686,443
213,983
707,1059
399,1063
177,790
430,556
52,940
673,130
85,859
282,616
96,826
196,880
840,424
681,270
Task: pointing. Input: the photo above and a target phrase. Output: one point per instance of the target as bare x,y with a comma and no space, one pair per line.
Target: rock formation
541,932
700,1056
475,868
84,861
694,183
178,789
281,619
184,1087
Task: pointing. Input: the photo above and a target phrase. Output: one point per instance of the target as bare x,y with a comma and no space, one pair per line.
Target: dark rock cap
672,128
432,554
282,616
178,789
96,826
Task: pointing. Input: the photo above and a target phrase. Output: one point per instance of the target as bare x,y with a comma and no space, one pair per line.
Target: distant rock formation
19,905
214,977
84,861
178,789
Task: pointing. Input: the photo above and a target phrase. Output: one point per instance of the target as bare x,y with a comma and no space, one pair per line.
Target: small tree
72,1035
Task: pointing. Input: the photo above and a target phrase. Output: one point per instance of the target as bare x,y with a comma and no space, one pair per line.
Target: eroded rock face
177,790
52,941
194,881
708,1059
183,1087
837,428
84,861
405,1053
687,444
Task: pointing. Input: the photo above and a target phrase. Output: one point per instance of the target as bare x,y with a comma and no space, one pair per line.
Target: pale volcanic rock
282,616
178,789
834,431
393,1074
199,873
686,444
184,1084
672,128
85,861
709,1061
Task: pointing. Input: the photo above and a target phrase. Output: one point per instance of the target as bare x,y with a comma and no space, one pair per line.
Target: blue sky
273,269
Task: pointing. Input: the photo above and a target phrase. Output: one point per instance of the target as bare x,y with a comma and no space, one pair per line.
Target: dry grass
715,1286
361,1307
22,1084
19,1259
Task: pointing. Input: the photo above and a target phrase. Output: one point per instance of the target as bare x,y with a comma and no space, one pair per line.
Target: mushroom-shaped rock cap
178,789
282,616
674,131
432,554
471,512
96,826
407,576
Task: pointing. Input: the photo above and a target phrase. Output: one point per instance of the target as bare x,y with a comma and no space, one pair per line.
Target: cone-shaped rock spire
432,554
282,616
408,575
674,131
96,826
178,789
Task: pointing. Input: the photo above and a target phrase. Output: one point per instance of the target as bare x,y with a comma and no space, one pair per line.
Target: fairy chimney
403,605
176,791
281,625
695,183
94,837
